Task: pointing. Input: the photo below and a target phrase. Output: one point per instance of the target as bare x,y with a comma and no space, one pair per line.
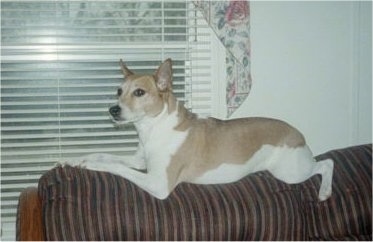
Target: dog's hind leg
296,165
325,169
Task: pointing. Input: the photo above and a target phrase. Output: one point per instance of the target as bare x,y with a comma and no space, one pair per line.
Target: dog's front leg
136,162
154,184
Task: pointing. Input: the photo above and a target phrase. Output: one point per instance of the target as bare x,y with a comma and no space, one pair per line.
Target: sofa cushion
87,205
347,214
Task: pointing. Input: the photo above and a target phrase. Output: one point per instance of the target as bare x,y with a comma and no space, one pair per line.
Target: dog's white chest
162,141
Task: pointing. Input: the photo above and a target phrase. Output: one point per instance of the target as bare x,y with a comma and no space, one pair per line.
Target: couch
77,204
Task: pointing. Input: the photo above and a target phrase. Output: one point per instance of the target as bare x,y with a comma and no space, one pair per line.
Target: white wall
312,67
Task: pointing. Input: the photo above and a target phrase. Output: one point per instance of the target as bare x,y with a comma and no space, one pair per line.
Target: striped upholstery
86,205
348,213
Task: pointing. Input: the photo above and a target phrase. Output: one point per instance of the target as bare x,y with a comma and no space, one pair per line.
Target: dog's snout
115,111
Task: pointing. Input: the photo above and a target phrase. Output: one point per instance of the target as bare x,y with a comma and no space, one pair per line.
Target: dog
177,146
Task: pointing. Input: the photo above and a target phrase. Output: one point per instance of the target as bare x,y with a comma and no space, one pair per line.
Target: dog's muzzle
115,112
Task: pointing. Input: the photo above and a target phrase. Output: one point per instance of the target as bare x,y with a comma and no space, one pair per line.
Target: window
59,74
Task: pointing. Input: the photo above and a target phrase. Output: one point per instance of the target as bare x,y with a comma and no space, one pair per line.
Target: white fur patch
159,135
291,165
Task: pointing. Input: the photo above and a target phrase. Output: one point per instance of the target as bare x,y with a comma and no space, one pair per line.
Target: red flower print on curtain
230,20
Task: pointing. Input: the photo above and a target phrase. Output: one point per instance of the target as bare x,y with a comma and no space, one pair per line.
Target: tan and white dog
176,146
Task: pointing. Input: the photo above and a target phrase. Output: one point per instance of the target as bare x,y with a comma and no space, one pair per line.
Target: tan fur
212,142
158,88
154,102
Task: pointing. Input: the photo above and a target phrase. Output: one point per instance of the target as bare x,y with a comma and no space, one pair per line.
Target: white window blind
59,74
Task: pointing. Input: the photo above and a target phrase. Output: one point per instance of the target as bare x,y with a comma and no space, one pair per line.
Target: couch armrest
29,216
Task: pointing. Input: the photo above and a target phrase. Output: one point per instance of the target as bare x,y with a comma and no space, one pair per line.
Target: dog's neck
173,114
145,126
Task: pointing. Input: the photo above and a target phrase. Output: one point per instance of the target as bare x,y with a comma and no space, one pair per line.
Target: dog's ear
126,72
163,76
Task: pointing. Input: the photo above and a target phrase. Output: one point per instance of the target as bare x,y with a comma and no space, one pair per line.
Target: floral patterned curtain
230,20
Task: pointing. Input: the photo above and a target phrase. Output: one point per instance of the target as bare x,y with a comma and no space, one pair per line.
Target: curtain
230,20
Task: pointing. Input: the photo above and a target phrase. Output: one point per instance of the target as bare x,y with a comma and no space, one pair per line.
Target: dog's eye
138,92
119,92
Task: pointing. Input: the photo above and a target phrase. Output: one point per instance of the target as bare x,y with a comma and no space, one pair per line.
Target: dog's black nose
115,111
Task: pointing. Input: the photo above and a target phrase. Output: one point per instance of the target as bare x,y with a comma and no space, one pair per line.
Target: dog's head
142,96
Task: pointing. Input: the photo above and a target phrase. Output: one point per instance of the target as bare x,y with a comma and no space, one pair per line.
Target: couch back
80,204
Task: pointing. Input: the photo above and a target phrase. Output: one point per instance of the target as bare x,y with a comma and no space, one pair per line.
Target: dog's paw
82,162
325,193
63,163
59,164
77,162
